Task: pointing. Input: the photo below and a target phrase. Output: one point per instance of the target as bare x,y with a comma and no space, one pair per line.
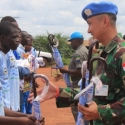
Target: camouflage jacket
111,107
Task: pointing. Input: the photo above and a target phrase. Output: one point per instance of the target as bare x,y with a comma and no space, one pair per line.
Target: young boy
25,107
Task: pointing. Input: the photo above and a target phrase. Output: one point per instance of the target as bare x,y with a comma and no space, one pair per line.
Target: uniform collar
112,44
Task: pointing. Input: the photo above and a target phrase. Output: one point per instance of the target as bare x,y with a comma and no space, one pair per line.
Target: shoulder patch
123,61
77,58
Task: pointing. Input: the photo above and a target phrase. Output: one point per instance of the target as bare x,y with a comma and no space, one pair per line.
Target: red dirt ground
52,114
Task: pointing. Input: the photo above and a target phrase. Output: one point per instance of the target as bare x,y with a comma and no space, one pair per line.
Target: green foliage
66,61
41,43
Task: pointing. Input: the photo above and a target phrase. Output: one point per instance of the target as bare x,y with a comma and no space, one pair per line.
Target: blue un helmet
75,35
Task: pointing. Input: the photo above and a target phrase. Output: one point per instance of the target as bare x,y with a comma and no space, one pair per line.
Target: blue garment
58,60
4,80
13,81
29,108
24,107
16,55
33,52
21,50
23,71
1,102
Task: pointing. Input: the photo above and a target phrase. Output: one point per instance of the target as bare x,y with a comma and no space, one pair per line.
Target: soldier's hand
53,92
91,112
63,70
57,77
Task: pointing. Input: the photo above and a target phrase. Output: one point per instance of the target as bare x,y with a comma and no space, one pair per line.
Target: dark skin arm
15,121
11,113
71,72
13,117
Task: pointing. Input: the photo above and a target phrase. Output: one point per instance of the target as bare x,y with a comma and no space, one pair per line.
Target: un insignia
88,12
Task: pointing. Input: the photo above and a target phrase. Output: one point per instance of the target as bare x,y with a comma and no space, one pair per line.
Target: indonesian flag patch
123,65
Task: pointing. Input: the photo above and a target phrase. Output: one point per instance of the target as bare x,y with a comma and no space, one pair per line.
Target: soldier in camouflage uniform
109,109
80,55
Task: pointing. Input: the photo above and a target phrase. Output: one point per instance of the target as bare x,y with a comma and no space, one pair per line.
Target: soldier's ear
106,21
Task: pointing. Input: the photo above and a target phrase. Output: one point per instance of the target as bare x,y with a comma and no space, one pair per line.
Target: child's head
27,78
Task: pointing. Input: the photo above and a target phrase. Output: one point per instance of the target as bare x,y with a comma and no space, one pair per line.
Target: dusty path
52,114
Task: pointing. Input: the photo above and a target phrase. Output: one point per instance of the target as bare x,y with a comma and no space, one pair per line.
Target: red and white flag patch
123,66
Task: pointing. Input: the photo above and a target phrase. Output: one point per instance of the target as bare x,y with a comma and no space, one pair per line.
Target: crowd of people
107,108
15,78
